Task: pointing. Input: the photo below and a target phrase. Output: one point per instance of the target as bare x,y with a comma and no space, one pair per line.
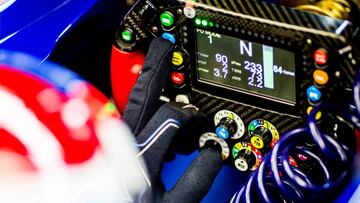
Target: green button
167,19
197,21
204,23
127,35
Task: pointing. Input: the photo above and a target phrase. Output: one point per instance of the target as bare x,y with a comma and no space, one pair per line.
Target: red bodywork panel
29,88
47,103
125,68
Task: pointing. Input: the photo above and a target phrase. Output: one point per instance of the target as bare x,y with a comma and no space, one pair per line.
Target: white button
241,164
182,98
189,12
164,99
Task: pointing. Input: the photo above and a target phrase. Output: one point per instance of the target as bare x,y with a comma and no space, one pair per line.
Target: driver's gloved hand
156,125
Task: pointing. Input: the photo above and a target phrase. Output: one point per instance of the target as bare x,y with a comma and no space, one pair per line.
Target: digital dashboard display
246,66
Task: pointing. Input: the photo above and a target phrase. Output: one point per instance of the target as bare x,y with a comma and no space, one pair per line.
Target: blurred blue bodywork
34,26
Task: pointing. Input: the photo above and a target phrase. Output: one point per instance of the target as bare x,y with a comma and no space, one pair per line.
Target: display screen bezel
239,95
246,89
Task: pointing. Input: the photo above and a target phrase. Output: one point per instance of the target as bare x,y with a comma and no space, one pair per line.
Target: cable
329,160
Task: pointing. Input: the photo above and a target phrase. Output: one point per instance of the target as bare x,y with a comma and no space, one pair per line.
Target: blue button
222,132
313,94
254,123
169,37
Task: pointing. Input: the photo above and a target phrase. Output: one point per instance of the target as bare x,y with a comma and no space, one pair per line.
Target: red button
177,78
321,56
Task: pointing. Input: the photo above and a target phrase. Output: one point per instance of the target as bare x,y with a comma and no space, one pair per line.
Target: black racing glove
156,125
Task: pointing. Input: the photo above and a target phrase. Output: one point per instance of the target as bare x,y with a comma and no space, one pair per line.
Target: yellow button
320,77
257,142
318,114
177,59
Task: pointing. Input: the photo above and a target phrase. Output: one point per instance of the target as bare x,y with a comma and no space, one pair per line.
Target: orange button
320,77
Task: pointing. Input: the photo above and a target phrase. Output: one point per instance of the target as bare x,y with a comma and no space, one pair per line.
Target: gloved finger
144,98
198,178
154,140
